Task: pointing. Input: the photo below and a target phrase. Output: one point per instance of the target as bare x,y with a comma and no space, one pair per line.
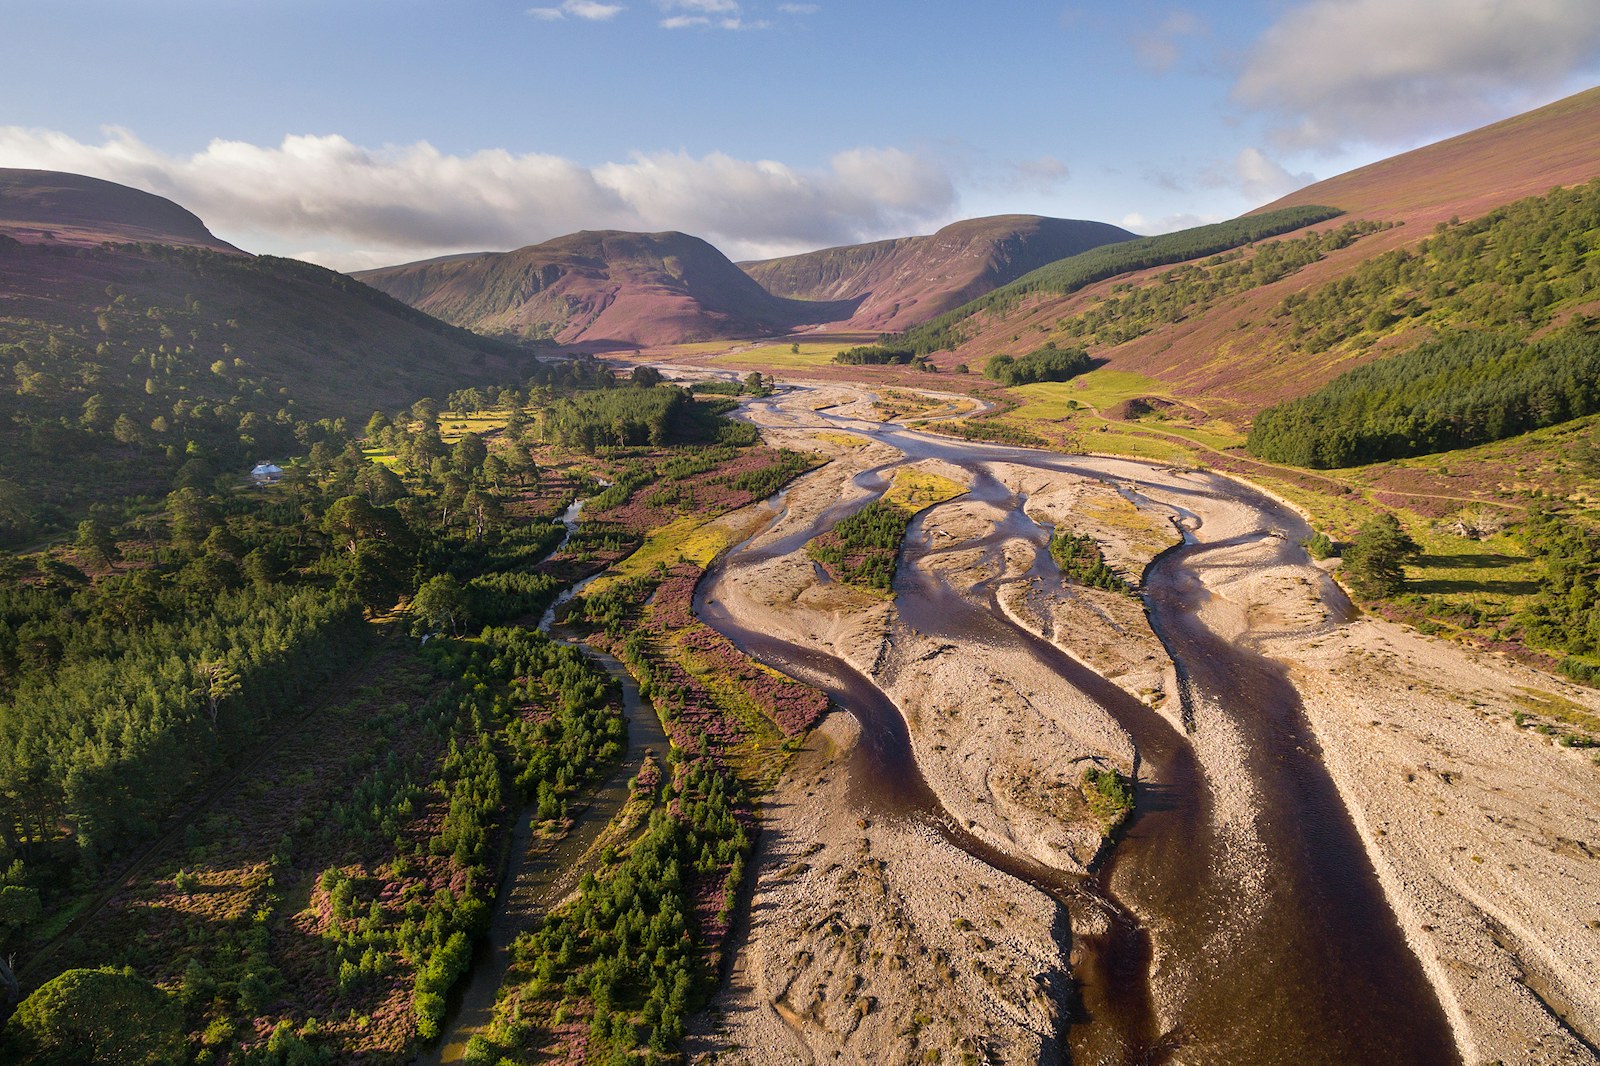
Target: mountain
899,283
603,289
1413,255
39,206
1468,175
127,359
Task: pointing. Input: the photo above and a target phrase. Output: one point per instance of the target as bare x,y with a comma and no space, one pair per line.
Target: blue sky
359,132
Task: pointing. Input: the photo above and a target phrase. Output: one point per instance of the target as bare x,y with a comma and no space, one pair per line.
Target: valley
1022,642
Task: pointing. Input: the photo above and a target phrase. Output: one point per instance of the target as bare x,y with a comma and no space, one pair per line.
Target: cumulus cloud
1260,177
363,207
726,14
1160,49
582,9
1334,71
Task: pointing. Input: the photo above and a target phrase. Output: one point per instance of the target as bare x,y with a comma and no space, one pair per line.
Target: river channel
1306,963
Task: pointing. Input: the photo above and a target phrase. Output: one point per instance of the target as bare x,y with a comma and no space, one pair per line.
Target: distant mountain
1280,316
603,289
899,283
38,206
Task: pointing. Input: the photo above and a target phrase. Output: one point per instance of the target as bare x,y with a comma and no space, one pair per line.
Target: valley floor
871,936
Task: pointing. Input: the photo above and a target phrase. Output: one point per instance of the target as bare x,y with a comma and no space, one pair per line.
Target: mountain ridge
907,280
600,288
129,357
50,206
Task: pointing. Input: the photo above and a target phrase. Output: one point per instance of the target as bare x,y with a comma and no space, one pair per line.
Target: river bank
1486,836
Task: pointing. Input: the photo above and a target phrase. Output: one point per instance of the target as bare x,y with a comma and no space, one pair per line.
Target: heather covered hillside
1419,248
602,289
44,206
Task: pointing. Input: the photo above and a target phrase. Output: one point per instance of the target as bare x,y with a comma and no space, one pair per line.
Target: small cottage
266,473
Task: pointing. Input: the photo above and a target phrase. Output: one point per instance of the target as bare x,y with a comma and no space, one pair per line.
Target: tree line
1455,392
1048,363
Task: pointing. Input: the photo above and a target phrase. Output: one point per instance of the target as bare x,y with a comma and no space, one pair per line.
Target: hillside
45,206
1467,175
1222,331
603,289
128,360
900,283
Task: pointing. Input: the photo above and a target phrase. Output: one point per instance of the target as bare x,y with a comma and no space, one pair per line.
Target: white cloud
799,9
1384,71
582,9
1263,178
704,7
1149,227
726,14
360,207
588,9
1159,49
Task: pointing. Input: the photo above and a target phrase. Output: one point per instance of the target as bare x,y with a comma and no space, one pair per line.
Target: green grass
811,354
1335,514
1563,710
700,347
1122,440
915,489
689,539
57,922
1098,389
452,426
1494,570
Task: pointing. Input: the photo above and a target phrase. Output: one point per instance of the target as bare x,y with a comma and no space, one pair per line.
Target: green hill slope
1232,333
123,362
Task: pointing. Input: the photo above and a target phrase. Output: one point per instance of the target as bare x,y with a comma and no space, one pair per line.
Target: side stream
539,876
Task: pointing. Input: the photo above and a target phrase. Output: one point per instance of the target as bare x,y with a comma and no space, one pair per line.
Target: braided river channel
1302,962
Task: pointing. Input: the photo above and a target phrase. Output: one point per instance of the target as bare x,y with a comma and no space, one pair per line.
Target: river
1307,965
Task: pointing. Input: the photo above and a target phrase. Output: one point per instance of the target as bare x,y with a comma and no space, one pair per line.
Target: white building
265,473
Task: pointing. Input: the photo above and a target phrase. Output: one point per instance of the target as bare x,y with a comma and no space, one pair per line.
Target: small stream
1310,967
539,875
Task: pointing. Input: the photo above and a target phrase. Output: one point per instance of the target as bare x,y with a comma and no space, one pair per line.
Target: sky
359,133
